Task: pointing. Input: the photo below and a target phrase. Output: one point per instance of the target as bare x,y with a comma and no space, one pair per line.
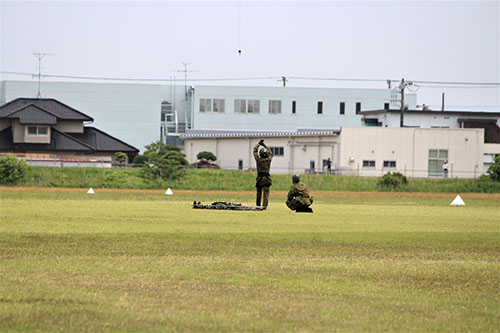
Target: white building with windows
284,108
363,151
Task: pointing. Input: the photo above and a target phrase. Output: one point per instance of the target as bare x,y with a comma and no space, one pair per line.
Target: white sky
420,41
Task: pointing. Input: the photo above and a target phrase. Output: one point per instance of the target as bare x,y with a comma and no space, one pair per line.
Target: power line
137,79
429,84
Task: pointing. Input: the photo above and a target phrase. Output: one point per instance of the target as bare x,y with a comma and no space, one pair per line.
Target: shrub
494,170
12,170
206,155
392,180
121,158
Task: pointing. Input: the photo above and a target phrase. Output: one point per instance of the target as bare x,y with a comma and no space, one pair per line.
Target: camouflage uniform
298,197
263,180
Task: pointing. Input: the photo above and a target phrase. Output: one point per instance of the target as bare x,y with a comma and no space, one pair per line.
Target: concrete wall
409,147
297,155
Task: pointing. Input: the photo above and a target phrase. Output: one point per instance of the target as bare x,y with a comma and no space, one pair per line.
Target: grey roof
92,140
58,109
59,142
102,141
33,115
232,134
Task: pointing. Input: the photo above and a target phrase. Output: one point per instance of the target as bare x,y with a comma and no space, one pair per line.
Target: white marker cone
457,201
90,191
169,192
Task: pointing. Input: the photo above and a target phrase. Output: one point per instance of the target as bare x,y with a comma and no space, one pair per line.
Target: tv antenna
40,56
185,71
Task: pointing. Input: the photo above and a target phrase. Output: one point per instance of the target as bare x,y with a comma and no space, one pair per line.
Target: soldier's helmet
263,152
295,178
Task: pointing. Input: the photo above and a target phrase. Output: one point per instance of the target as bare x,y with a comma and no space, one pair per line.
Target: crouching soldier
299,199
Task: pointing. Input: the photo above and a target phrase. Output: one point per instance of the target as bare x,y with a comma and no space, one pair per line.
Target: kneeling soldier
299,199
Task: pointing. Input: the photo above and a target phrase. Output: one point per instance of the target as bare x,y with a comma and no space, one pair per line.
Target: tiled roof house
51,130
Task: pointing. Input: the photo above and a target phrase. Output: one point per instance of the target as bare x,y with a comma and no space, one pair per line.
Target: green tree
206,155
163,162
12,170
494,169
160,148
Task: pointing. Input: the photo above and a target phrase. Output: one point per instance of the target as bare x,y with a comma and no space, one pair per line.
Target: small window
320,107
342,107
37,130
253,106
278,151
389,164
368,164
32,130
240,164
274,106
358,107
205,105
240,106
312,165
386,106
43,130
294,107
219,105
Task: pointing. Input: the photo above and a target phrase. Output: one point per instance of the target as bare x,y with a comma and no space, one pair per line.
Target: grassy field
143,261
216,180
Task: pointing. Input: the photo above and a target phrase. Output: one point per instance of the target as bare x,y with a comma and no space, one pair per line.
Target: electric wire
427,84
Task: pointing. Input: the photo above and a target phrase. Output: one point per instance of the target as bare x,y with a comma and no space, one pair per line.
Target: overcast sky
445,41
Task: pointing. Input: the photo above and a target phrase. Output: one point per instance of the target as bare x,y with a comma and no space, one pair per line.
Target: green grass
70,261
198,179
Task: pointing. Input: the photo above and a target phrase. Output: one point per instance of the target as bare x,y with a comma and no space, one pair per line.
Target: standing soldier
263,157
298,198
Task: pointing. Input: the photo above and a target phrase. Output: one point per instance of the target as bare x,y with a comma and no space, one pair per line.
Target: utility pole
185,71
402,87
283,78
40,56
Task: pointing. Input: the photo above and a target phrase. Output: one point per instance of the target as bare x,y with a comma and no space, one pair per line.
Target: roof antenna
40,56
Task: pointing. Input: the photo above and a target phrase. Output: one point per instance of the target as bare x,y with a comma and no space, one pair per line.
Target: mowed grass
144,261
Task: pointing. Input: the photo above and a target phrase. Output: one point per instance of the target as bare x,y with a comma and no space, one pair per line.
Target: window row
372,164
253,106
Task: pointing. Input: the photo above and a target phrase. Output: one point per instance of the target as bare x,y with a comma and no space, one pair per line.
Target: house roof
58,109
33,115
92,140
102,141
59,142
432,112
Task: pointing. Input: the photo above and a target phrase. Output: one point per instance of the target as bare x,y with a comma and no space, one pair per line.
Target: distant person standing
298,198
263,157
329,165
445,169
